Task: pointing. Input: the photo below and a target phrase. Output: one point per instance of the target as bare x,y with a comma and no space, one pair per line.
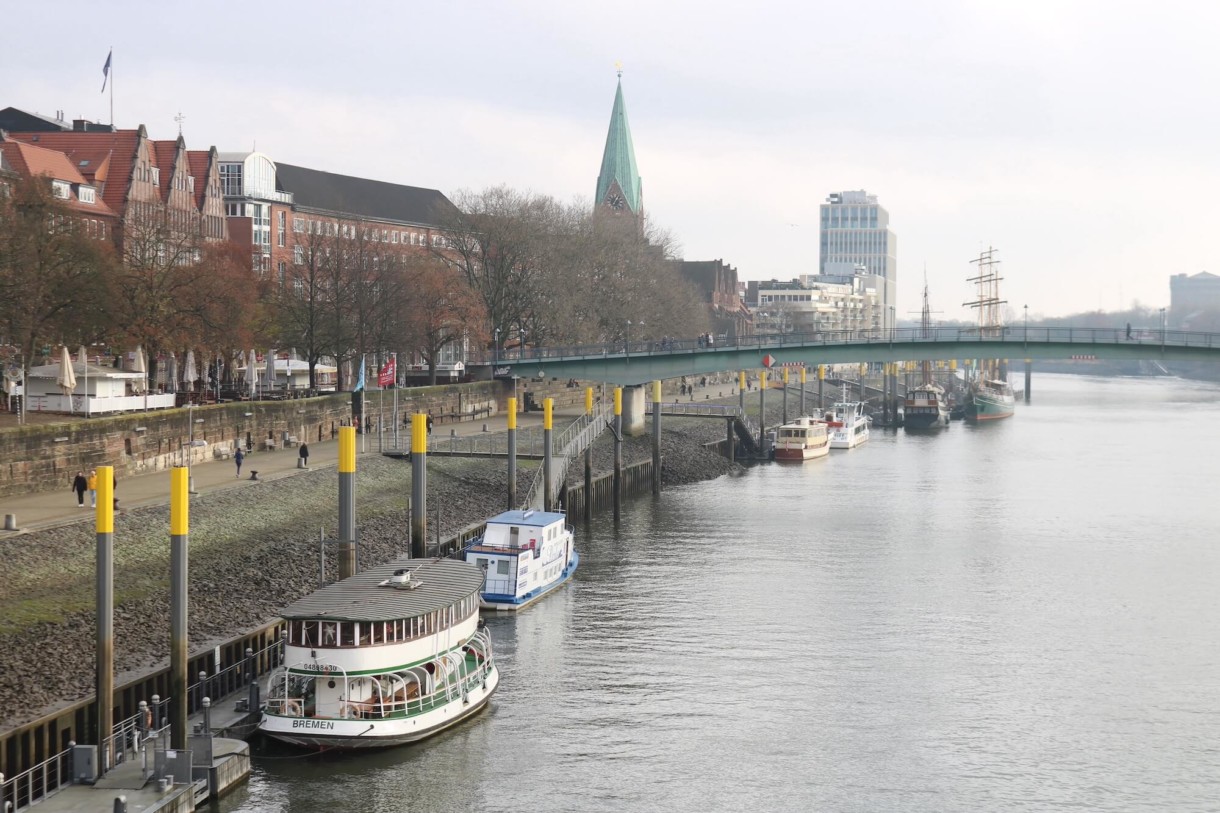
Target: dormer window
61,189
86,194
190,183
156,175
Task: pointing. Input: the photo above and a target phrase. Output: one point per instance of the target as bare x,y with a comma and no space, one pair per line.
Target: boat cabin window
347,634
373,633
502,567
514,537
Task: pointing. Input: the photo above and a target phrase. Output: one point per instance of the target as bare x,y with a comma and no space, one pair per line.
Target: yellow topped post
512,453
179,501
419,433
821,372
512,414
105,499
741,380
588,400
762,380
548,409
804,372
656,392
618,401
419,485
785,375
548,424
347,449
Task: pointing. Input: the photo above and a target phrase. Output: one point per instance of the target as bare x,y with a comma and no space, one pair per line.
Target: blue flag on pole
360,377
106,70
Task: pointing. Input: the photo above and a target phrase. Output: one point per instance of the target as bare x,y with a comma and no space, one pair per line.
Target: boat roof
363,597
537,519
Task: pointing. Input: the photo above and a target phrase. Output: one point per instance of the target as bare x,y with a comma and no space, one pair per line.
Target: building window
156,175
298,225
87,194
61,189
230,179
282,229
298,255
282,269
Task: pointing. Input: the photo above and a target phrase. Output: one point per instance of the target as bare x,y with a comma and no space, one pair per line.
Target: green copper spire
618,162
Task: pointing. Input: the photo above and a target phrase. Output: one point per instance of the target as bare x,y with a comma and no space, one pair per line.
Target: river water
1018,616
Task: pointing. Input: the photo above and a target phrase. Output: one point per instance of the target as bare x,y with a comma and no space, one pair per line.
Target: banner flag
106,69
388,374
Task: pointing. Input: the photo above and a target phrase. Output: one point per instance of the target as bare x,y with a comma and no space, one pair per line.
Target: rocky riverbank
252,552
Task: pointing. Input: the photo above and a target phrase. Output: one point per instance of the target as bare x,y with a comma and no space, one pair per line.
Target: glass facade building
855,229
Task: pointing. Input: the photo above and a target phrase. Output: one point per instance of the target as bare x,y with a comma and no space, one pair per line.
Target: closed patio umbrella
67,376
190,374
139,366
251,373
82,355
172,366
270,370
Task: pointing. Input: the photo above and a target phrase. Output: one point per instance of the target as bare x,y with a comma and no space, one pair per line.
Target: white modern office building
855,232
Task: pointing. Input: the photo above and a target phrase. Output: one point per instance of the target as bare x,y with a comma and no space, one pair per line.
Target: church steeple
618,185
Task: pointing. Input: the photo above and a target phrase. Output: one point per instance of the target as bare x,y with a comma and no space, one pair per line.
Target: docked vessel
524,555
386,657
848,424
989,396
926,405
805,439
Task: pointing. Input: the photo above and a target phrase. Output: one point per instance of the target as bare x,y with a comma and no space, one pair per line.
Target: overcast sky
1077,137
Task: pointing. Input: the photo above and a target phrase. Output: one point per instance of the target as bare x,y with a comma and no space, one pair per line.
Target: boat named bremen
525,555
388,656
989,396
805,439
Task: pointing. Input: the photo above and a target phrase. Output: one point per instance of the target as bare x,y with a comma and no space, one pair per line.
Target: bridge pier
634,410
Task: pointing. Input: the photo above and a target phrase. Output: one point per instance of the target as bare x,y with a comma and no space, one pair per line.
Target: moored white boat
849,426
389,656
805,439
525,555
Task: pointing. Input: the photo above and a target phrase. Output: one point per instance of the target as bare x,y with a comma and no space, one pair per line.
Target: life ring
292,708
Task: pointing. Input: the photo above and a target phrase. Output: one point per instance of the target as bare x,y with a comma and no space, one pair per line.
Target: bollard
207,716
120,804
484,427
10,522
156,710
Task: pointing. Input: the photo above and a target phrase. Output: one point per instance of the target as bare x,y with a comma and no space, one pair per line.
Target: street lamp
1026,324
495,351
190,450
1162,328
627,339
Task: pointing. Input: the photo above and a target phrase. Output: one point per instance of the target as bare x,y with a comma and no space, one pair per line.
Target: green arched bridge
643,361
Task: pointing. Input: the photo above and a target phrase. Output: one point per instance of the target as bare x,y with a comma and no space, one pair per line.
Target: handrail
37,783
1160,337
571,441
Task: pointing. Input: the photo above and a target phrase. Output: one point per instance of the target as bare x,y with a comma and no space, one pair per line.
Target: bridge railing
902,335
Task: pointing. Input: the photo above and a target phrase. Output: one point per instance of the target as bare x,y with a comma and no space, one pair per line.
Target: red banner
388,374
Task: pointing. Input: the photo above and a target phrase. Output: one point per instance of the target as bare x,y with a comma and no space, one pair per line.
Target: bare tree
443,310
53,277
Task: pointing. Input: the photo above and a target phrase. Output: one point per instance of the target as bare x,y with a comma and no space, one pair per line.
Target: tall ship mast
989,396
927,405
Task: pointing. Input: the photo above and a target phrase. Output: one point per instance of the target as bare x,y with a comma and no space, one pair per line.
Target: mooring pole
347,502
105,615
548,472
863,394
589,460
656,438
731,440
618,452
179,543
1029,377
512,452
762,410
785,420
804,372
821,379
419,485
741,391
885,393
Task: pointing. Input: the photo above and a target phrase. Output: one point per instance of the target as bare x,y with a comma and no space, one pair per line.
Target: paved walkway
53,508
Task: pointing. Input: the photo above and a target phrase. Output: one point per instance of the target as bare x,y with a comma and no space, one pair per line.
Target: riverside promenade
50,509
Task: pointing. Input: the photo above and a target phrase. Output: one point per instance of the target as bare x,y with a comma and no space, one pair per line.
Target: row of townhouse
114,178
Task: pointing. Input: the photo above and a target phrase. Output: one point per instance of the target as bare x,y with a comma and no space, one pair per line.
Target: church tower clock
619,191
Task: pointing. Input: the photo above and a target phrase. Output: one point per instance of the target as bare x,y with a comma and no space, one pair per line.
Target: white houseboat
389,656
525,555
849,426
805,439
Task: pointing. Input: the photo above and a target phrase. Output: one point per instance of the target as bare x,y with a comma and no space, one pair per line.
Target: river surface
1018,616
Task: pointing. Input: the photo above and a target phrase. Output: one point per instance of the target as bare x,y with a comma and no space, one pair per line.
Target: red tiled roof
31,160
109,157
199,162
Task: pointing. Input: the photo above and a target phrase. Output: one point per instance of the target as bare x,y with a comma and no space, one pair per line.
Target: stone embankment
252,552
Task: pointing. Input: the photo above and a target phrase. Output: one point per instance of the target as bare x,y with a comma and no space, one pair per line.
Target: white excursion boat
805,439
848,424
525,555
388,656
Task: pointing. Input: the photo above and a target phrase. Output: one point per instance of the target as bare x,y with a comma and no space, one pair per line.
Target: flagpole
111,87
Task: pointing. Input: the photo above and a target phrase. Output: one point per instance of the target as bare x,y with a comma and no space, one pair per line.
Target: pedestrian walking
429,423
114,489
92,478
79,485
237,458
1128,331
303,453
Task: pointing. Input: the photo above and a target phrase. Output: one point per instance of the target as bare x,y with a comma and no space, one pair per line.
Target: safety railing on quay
235,676
37,783
571,441
911,335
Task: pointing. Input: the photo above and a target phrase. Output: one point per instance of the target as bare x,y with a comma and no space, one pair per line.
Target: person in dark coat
238,456
80,485
303,453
